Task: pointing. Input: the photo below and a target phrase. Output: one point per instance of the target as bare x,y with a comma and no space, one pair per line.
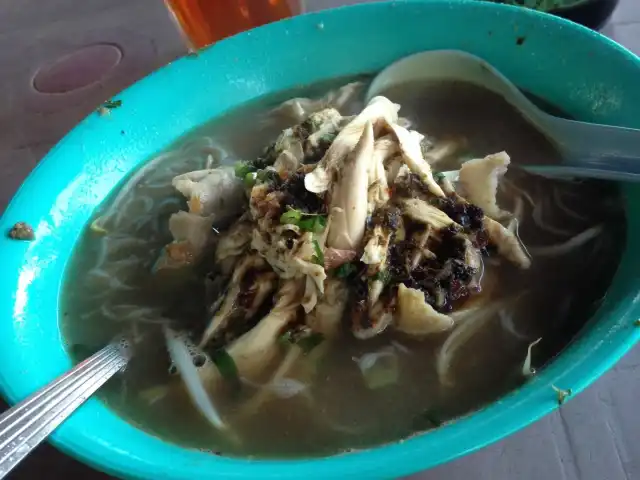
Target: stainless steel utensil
27,424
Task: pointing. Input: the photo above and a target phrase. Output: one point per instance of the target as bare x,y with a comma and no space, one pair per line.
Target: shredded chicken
412,154
416,317
479,181
349,196
379,109
246,293
507,242
326,317
299,109
215,192
232,244
346,222
422,212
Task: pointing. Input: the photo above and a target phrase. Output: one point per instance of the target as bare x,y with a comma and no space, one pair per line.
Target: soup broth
111,287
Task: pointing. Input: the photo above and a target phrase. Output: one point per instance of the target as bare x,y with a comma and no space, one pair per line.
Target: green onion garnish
310,342
243,168
307,222
315,224
226,366
383,276
250,179
345,270
291,217
318,258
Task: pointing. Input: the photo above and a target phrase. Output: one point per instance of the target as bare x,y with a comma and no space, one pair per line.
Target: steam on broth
435,293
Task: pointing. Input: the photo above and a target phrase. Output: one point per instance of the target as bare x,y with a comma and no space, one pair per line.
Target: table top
593,437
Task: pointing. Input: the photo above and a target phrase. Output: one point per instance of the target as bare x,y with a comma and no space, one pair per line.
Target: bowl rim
469,433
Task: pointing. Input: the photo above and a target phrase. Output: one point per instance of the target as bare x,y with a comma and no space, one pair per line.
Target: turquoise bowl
589,76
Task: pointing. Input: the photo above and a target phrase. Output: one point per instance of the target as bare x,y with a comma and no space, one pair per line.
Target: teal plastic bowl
589,76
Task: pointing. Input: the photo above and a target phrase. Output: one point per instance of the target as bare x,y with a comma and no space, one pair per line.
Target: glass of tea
203,22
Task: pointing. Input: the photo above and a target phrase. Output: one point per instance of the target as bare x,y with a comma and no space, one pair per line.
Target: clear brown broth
346,415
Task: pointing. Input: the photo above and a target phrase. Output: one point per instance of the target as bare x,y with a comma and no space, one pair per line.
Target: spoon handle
27,424
602,148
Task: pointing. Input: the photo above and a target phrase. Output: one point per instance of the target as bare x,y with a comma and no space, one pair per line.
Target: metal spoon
24,426
588,150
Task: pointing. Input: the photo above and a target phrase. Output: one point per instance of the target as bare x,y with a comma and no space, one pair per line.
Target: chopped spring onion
308,222
318,258
383,276
244,168
287,338
291,217
109,105
346,270
226,366
562,394
268,175
250,179
310,342
315,224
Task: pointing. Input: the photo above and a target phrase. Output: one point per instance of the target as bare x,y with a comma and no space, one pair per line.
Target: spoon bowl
588,150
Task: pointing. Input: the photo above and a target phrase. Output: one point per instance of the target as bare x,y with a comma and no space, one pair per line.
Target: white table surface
596,436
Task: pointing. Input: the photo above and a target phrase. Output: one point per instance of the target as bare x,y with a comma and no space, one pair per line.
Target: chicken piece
265,203
176,255
412,156
379,109
348,207
299,109
192,228
288,150
422,212
434,153
232,244
293,258
216,192
375,250
473,259
333,257
414,316
314,284
321,139
256,351
192,233
249,287
382,226
507,242
393,166
367,322
420,240
304,142
376,286
479,179
383,149
326,317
